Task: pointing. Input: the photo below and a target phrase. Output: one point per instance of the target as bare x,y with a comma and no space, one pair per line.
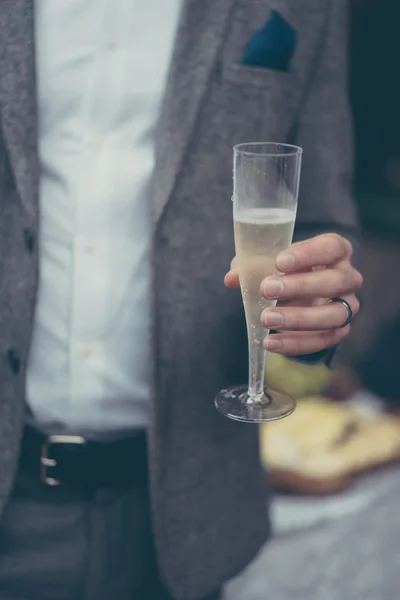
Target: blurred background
335,464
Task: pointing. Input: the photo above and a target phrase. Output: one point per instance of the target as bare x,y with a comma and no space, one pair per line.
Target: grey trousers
59,545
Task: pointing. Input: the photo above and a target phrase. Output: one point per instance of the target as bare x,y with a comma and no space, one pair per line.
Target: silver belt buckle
46,462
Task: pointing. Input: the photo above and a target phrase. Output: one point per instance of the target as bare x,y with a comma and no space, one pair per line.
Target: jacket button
29,239
14,361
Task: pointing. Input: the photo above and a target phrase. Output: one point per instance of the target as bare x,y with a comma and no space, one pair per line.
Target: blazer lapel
200,34
18,97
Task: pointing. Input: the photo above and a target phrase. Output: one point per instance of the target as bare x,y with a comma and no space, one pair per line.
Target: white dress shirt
101,73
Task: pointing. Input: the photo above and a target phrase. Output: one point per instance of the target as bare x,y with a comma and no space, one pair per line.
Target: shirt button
89,249
29,239
86,352
112,45
14,361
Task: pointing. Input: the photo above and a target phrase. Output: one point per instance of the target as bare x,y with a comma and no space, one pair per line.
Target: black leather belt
73,461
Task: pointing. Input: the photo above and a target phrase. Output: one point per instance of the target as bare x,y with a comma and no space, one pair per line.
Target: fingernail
273,345
271,319
272,288
285,261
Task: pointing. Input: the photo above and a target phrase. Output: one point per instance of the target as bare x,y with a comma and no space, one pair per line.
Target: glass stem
257,356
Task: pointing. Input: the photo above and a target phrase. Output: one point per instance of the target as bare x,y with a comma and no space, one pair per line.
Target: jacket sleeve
324,129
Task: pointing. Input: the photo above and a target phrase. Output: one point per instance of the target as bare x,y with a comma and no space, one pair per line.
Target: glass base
236,404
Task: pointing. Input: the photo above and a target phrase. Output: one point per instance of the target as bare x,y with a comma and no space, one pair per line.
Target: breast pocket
248,18
271,93
258,77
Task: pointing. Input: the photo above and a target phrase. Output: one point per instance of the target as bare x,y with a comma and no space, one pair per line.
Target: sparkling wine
260,234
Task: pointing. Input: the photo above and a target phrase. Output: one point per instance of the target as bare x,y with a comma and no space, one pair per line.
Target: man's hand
314,272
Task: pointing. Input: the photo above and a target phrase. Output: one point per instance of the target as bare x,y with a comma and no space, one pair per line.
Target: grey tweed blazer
208,491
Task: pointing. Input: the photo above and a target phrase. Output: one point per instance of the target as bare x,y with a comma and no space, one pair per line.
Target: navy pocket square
273,46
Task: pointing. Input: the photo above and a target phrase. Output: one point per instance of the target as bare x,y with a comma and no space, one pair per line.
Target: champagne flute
266,186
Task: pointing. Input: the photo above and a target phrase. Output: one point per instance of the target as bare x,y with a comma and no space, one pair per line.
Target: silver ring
349,311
